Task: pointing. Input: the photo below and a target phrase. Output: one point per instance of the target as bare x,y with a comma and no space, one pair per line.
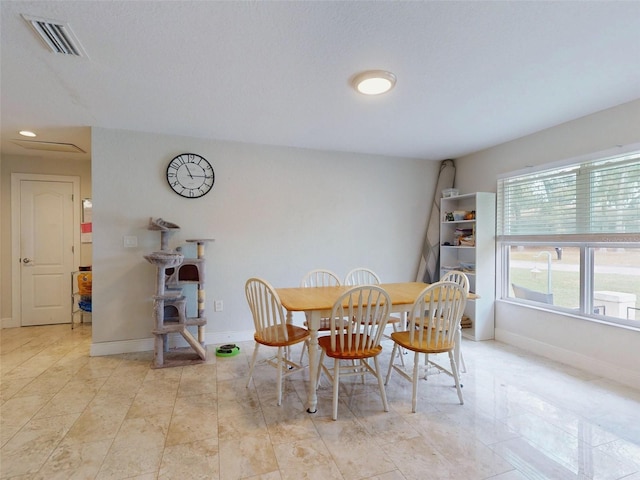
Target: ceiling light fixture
374,82
26,133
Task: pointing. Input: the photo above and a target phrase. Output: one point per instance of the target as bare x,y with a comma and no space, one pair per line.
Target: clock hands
188,171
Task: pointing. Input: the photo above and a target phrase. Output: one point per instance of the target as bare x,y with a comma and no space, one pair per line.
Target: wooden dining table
317,303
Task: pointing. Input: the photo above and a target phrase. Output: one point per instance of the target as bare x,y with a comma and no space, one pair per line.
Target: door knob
26,260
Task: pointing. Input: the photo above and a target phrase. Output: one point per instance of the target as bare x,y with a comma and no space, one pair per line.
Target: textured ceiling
470,74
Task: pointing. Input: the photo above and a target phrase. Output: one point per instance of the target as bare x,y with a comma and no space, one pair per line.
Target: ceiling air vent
57,36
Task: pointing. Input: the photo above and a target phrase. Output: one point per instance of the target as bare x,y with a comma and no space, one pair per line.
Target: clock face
190,175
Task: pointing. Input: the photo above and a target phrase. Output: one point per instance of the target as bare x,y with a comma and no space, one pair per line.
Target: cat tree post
200,253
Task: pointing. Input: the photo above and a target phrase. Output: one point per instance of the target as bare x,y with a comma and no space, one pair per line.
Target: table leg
313,324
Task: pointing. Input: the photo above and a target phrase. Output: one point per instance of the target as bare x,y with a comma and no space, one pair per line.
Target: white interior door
46,251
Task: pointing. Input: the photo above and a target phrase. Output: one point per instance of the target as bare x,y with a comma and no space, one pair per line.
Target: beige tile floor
65,415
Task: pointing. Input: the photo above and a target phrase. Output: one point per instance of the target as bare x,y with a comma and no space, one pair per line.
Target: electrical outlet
217,306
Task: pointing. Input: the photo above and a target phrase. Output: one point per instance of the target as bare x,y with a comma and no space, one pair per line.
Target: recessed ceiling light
374,82
26,133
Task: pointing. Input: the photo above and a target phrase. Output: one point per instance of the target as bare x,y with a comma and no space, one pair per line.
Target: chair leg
416,371
426,364
279,381
320,368
305,346
383,393
400,351
463,365
336,384
456,376
393,356
253,362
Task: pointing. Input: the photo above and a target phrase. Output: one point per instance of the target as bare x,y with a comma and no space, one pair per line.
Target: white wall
604,349
274,212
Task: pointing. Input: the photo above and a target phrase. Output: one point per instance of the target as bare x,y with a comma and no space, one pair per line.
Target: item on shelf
458,215
84,283
450,192
85,303
467,241
465,322
467,267
463,237
448,217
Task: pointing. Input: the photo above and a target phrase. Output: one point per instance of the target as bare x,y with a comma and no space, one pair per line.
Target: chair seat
325,343
402,339
296,335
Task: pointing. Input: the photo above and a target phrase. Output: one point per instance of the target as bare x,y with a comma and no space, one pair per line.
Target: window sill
571,314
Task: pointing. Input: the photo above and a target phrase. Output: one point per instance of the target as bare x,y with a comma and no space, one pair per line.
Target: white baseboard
8,323
620,374
175,341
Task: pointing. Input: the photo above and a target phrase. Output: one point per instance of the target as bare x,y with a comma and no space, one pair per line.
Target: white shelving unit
469,245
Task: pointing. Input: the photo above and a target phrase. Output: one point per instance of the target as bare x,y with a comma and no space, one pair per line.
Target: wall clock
190,175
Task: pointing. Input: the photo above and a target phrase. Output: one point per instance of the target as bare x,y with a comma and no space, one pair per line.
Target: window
569,238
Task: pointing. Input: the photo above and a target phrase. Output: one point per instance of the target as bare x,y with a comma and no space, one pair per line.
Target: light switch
130,241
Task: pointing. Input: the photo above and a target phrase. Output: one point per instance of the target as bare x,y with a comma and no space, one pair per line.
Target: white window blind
598,200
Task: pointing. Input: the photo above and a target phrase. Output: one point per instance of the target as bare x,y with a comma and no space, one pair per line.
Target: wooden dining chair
461,279
366,276
272,330
432,328
357,341
362,276
318,278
